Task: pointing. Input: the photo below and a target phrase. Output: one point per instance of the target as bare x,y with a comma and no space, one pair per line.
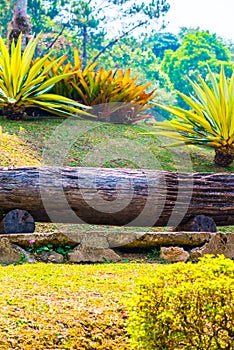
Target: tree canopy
198,50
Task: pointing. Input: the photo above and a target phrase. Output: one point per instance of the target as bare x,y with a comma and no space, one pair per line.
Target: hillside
98,144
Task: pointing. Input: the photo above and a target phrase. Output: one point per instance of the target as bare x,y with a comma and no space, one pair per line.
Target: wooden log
200,223
17,221
117,196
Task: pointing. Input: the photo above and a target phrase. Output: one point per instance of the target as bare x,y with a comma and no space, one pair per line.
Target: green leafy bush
185,306
24,83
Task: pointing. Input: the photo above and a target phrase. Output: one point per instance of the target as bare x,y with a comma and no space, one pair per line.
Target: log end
17,221
199,223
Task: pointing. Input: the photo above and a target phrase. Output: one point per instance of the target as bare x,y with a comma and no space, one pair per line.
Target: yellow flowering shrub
185,306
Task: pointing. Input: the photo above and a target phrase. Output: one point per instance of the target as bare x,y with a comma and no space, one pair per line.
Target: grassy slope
14,151
133,149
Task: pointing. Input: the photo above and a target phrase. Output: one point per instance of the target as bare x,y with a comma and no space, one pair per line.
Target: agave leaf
16,64
224,102
69,108
204,109
27,57
49,107
35,70
31,86
173,127
59,99
2,92
172,135
188,140
212,106
41,92
214,83
207,100
219,109
231,123
11,100
50,82
6,67
189,117
231,139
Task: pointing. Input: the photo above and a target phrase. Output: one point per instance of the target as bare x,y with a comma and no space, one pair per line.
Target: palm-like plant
210,120
24,83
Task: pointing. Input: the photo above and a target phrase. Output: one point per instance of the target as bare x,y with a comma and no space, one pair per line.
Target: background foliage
164,58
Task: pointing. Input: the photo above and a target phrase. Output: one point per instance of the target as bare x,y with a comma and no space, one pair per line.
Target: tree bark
117,196
20,24
84,45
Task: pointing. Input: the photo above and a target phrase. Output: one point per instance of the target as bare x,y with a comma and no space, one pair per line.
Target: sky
217,16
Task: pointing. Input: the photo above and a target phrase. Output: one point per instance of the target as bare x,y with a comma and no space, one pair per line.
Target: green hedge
185,306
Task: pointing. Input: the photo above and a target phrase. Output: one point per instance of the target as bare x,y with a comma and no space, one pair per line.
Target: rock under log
17,221
117,196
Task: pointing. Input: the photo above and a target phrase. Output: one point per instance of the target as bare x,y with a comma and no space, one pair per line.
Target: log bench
116,197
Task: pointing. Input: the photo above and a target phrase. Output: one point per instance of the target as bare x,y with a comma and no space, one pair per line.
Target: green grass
81,307
111,146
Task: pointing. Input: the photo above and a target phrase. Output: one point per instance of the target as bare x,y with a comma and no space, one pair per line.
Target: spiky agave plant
24,83
210,120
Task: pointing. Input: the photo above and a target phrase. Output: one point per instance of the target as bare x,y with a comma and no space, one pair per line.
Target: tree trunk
20,23
84,44
117,196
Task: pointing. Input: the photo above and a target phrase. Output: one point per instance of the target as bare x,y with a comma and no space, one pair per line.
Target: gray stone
40,239
229,245
8,252
75,235
119,239
153,239
90,254
97,240
95,246
106,239
103,238
27,257
51,257
219,243
174,254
